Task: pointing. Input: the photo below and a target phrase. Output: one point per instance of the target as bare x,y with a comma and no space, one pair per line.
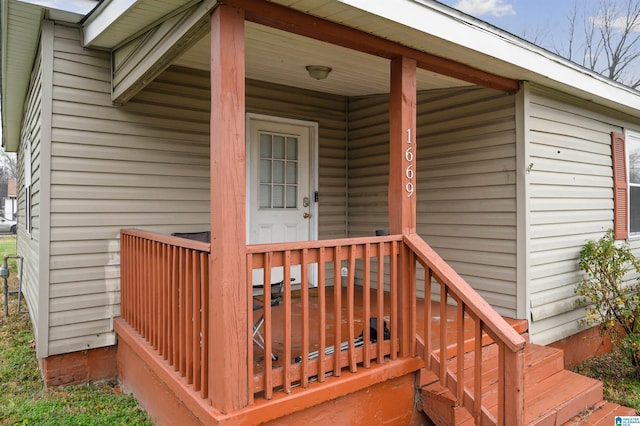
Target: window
278,171
633,167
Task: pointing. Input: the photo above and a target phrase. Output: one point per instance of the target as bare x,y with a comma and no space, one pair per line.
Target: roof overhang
463,38
422,25
20,33
114,22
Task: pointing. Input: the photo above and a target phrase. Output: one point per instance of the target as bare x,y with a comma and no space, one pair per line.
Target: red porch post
402,188
228,301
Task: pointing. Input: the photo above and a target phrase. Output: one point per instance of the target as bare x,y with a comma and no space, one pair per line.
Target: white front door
281,205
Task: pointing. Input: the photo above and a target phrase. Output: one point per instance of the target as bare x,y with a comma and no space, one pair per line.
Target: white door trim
313,166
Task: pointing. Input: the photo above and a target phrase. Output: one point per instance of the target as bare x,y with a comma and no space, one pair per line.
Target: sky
546,24
78,6
540,21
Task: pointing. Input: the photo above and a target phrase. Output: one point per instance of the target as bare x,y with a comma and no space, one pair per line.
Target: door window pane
292,148
291,196
278,171
265,196
265,171
278,197
265,145
278,147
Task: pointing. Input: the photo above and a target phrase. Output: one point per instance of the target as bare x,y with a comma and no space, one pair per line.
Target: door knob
306,215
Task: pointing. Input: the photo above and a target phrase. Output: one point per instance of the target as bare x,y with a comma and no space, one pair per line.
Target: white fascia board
107,14
536,63
18,49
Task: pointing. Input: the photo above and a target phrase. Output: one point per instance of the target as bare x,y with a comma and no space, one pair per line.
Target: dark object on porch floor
358,341
203,236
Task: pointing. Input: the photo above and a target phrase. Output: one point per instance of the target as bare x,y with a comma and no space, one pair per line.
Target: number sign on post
408,155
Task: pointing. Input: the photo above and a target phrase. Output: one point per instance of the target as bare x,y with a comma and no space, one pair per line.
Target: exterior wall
571,201
143,165
27,244
466,182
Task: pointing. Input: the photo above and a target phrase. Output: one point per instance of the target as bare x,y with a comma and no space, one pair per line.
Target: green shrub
612,302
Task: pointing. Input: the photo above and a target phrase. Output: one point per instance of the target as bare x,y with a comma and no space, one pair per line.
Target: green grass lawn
23,398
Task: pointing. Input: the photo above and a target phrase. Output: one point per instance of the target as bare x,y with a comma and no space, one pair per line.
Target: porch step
553,395
601,414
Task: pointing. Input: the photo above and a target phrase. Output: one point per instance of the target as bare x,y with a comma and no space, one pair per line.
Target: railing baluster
250,320
393,290
204,336
175,260
197,303
322,312
460,352
150,296
161,297
189,315
304,296
287,321
351,284
366,296
428,317
267,327
157,264
477,380
380,310
337,310
443,334
501,379
183,313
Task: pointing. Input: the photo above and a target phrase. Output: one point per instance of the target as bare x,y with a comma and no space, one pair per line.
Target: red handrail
486,319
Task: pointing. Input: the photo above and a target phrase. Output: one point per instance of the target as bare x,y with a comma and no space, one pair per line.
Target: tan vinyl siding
466,185
145,165
571,188
27,245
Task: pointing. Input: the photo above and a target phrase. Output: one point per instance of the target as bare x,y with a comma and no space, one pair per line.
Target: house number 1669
408,172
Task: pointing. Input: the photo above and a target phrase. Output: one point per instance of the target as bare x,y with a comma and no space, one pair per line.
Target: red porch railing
486,320
331,326
164,285
164,296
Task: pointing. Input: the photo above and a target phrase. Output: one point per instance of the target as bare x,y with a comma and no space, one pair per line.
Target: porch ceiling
279,57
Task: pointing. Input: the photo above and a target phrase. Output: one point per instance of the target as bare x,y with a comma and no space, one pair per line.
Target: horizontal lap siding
145,165
465,177
571,201
27,246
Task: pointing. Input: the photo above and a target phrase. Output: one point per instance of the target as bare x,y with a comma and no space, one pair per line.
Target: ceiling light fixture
319,72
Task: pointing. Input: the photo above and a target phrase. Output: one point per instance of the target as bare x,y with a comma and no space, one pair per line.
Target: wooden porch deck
167,325
278,314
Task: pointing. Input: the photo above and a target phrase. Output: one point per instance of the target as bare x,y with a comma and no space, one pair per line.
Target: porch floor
314,315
